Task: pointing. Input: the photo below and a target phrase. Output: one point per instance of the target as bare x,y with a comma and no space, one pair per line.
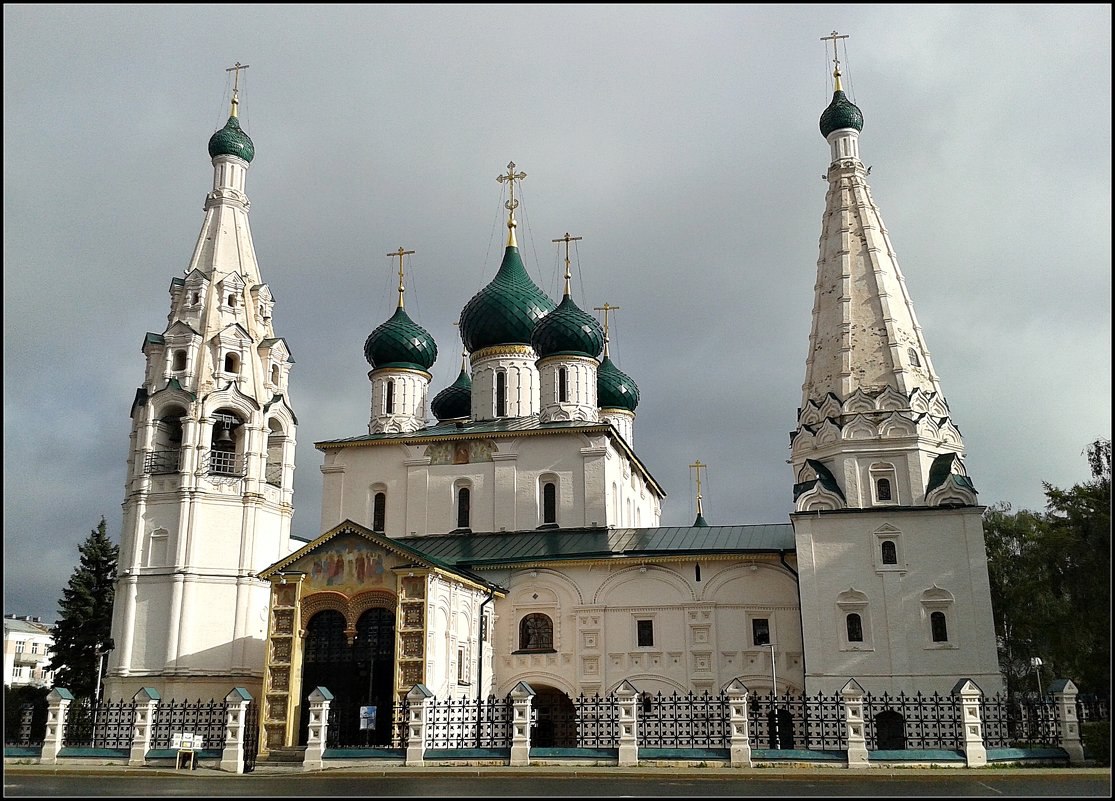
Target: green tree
85,616
1050,576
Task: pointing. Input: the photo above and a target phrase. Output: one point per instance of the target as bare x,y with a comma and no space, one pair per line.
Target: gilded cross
400,253
607,307
511,177
698,465
567,239
834,37
236,78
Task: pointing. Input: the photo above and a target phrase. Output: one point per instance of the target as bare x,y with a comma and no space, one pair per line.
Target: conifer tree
84,624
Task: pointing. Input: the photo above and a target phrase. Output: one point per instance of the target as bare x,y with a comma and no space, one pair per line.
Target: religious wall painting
347,564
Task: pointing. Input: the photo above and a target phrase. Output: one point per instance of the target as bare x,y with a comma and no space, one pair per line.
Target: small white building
27,644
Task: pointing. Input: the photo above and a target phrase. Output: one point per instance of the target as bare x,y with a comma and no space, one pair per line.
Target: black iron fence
683,721
204,719
104,724
349,729
465,723
1020,722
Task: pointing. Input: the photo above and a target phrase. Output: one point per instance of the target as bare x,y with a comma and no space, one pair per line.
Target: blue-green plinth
506,310
232,141
567,329
614,388
841,113
400,342
455,400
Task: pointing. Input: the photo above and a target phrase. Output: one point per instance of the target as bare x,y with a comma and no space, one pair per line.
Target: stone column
419,698
627,697
58,704
147,703
521,697
320,699
854,729
974,750
236,715
1064,698
740,725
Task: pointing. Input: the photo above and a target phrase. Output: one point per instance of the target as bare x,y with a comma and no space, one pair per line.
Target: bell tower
209,490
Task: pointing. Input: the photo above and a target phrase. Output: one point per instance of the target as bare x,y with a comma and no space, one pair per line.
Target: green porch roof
567,544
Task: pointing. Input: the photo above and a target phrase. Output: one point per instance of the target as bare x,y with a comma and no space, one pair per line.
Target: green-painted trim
364,753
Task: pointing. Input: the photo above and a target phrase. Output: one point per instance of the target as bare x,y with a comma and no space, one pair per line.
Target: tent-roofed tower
209,489
892,567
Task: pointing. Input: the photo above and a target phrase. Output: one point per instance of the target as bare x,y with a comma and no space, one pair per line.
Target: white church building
516,537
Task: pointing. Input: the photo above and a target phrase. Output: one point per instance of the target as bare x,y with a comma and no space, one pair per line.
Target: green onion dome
614,388
400,342
505,311
567,329
455,400
232,141
841,113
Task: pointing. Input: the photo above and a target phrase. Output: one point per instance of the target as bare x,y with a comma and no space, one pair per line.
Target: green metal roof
455,400
941,471
232,141
841,113
505,311
567,330
566,544
400,342
614,388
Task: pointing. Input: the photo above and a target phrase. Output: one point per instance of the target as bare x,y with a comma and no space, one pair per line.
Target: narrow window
462,507
462,665
855,628
389,403
914,360
889,553
379,511
501,394
939,626
536,633
179,360
697,572
760,631
563,385
645,632
194,299
19,646
275,374
232,363
882,489
549,502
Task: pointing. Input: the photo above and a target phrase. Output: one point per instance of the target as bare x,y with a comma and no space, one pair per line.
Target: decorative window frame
936,599
883,470
648,617
850,602
543,480
750,630
458,485
883,534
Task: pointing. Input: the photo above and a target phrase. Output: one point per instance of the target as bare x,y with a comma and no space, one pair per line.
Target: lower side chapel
515,536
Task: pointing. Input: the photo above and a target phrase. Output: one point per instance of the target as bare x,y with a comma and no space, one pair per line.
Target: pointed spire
700,521
400,253
511,177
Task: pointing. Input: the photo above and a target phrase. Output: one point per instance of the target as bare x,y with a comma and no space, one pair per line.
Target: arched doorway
555,725
359,674
890,731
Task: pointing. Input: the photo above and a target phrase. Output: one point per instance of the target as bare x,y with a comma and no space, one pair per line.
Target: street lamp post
1036,663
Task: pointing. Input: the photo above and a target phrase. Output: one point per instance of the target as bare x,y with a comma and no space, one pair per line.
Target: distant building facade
27,652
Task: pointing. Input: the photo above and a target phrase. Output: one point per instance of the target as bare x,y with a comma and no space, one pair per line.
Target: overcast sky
680,142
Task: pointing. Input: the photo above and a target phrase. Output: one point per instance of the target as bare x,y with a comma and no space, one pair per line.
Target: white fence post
627,698
58,704
521,696
147,703
320,699
419,698
854,724
974,750
740,725
1064,697
236,715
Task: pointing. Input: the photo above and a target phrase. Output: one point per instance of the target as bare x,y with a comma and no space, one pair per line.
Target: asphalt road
24,782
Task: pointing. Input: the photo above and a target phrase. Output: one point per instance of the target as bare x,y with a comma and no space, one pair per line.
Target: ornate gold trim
501,350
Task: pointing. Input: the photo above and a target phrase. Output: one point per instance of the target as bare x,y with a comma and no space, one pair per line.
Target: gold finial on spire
698,465
835,37
236,85
607,307
511,177
400,253
567,239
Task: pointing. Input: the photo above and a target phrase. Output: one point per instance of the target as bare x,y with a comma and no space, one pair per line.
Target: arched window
232,363
389,401
939,627
536,633
563,385
275,375
501,394
379,511
883,477
224,458
889,553
273,472
463,501
855,628
549,503
914,360
179,360
882,489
